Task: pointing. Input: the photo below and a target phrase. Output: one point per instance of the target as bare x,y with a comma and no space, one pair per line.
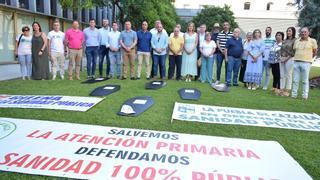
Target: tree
309,17
150,10
212,14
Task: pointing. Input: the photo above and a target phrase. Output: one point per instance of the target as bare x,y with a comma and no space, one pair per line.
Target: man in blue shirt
144,48
104,47
128,41
92,38
159,43
233,53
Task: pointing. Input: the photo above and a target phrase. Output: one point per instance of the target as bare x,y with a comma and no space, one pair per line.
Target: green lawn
302,145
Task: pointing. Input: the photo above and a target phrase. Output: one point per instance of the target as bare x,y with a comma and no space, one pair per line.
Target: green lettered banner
247,117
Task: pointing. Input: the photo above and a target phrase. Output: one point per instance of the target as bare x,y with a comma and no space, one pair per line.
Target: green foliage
76,4
309,17
213,14
138,10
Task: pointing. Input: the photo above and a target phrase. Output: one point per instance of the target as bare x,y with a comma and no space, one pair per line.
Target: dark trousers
160,68
198,67
104,52
91,54
275,68
220,58
242,70
174,62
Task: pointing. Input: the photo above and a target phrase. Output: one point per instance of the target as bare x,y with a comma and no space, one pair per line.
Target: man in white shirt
56,49
180,33
104,47
114,51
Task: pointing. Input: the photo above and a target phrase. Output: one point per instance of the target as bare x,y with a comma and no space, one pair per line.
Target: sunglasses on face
25,30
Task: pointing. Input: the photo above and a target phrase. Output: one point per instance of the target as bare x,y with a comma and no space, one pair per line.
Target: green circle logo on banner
6,128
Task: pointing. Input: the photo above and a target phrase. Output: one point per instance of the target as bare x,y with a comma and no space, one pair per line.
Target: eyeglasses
26,30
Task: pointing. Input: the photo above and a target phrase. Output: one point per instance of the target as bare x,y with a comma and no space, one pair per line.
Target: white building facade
249,14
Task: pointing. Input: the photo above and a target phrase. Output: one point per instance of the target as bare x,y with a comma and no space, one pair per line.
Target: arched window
246,6
269,5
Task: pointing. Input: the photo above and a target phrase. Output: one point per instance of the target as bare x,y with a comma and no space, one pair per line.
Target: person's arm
165,42
134,41
152,42
121,42
65,41
171,46
196,44
17,46
44,38
181,47
49,46
315,48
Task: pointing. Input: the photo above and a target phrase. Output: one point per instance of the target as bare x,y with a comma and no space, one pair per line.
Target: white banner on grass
96,152
72,103
247,117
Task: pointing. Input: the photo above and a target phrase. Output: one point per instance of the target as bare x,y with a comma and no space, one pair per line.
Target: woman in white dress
189,56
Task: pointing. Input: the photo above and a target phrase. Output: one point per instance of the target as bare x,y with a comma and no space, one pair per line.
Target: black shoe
235,84
132,78
148,78
118,77
123,78
138,78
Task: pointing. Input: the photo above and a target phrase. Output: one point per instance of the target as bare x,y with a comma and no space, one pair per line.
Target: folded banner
96,152
72,103
247,117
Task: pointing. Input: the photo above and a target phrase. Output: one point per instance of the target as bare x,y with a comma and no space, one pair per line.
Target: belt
75,48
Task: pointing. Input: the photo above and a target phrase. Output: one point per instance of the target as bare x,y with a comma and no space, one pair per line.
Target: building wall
14,14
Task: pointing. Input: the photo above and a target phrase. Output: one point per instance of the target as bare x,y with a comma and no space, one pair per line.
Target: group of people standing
191,54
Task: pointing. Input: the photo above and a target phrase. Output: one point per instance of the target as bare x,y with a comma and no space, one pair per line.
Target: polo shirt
144,41
104,36
92,37
128,37
268,43
222,38
176,44
74,38
234,47
304,49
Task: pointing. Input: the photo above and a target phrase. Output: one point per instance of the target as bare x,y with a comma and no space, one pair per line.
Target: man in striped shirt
222,38
268,41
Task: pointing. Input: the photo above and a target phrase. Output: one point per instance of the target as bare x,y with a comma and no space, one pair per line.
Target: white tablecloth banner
247,117
97,152
72,103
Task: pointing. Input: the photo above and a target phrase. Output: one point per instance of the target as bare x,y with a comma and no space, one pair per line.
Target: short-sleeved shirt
92,37
75,38
222,38
144,41
274,55
207,47
268,43
128,37
56,41
24,47
114,39
304,49
235,47
104,36
176,44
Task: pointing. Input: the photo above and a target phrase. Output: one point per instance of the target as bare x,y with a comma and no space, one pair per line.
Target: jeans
301,69
275,68
266,67
286,74
207,69
175,62
159,60
92,54
25,65
115,61
220,58
104,52
233,66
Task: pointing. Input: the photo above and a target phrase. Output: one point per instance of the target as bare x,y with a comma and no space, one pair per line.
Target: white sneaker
265,88
217,82
53,77
23,78
62,77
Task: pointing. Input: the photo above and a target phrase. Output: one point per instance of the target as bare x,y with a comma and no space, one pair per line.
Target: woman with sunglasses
23,51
